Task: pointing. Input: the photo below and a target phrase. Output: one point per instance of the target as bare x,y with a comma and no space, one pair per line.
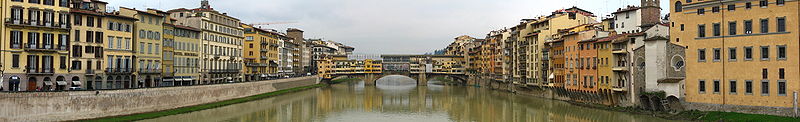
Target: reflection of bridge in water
419,67
455,103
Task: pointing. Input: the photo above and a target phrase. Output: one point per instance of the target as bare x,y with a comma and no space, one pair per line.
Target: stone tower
651,12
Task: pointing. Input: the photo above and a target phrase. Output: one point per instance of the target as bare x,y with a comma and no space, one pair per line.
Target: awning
49,83
263,75
179,80
230,78
61,83
552,76
169,80
76,83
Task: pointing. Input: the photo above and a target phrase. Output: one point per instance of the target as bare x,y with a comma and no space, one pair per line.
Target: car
75,88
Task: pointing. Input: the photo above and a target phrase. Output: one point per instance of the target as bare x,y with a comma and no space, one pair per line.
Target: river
399,99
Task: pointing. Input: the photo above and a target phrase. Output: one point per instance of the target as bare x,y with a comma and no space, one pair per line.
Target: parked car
75,88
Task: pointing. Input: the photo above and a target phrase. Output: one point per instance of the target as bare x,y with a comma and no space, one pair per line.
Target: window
716,86
748,87
717,29
781,52
89,36
733,86
764,26
678,6
142,34
98,37
701,31
764,73
748,27
763,3
33,1
731,7
16,39
748,5
76,65
111,42
732,28
732,54
99,22
781,24
141,47
717,54
765,87
15,60
701,55
748,53
764,53
682,27
715,9
781,87
63,62
781,73
702,86
701,11
90,21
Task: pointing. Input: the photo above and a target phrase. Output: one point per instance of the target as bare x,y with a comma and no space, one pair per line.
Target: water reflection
352,102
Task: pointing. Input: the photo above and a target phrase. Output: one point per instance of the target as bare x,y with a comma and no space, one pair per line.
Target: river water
399,99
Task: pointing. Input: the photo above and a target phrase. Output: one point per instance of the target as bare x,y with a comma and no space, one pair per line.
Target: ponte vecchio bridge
418,67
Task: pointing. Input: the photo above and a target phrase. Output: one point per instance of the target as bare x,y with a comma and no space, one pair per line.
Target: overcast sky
389,26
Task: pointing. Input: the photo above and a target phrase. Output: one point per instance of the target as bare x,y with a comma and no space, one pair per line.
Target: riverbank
81,105
691,115
150,115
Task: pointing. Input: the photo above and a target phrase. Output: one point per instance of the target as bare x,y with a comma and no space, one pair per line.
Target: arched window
678,6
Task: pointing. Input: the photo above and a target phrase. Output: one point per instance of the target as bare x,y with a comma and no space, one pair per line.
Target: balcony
263,57
118,70
90,72
256,64
619,51
224,71
35,23
44,48
149,71
39,71
264,50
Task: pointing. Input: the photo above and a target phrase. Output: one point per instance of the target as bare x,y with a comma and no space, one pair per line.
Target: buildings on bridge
57,45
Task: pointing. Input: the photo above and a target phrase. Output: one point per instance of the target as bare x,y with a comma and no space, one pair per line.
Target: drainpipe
795,104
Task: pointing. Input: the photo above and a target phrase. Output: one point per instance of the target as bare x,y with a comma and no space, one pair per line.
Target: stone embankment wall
75,105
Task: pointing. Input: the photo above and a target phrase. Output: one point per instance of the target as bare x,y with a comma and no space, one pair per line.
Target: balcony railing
118,70
225,71
148,70
38,71
48,47
37,23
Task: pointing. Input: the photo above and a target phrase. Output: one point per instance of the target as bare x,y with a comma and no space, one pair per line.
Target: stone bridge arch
421,78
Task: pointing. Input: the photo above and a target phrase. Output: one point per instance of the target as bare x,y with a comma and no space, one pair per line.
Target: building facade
186,55
740,54
36,54
222,38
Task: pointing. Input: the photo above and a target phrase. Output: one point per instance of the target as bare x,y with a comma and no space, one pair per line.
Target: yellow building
147,56
741,54
168,54
261,52
118,51
35,47
187,55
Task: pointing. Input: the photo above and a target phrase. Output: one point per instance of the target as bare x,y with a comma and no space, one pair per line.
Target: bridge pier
370,79
422,79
